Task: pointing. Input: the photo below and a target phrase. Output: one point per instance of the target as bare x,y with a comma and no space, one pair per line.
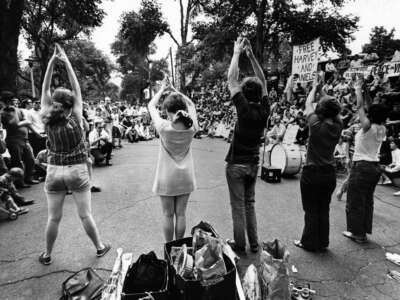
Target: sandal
102,252
355,238
298,244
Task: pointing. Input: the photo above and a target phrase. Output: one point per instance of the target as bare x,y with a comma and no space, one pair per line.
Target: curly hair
63,96
327,107
56,115
252,89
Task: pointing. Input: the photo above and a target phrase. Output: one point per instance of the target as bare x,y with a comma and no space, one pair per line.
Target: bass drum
286,157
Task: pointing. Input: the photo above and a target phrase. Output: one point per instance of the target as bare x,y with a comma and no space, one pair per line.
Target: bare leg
55,204
180,213
167,204
84,206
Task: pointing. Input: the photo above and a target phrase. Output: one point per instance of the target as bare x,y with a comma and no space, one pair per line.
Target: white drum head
278,157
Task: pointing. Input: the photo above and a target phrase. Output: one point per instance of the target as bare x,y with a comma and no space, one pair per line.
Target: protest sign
305,60
391,69
359,71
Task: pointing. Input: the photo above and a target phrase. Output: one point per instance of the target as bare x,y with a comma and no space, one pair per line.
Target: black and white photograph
199,149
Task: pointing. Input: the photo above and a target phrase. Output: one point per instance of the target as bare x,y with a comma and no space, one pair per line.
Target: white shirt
36,119
94,135
396,157
367,144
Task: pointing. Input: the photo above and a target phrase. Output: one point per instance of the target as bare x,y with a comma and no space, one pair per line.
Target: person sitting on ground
8,193
393,170
341,154
302,133
100,144
276,134
130,132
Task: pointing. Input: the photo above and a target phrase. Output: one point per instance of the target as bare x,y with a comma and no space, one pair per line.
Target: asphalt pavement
129,216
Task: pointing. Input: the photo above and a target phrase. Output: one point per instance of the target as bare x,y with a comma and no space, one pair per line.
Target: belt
355,163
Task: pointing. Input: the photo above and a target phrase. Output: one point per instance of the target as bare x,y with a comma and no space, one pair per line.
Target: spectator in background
8,193
100,144
17,142
32,113
329,69
393,170
276,134
273,95
342,88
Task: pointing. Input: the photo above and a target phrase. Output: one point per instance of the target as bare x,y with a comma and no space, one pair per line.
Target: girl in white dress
174,180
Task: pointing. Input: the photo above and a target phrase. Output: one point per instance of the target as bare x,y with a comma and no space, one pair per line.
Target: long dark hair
56,114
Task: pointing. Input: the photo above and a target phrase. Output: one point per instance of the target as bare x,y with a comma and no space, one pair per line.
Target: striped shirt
66,143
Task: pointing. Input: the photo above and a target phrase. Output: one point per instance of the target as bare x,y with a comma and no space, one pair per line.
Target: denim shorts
74,178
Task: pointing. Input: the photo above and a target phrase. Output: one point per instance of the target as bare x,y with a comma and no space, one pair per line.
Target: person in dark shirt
302,133
17,142
250,100
318,179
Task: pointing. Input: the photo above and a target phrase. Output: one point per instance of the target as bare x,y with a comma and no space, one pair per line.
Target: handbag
84,284
145,279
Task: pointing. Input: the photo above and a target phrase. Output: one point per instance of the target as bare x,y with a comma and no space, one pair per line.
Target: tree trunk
260,38
10,24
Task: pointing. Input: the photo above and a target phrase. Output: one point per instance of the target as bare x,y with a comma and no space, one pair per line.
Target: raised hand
359,82
239,45
318,80
165,83
248,48
61,53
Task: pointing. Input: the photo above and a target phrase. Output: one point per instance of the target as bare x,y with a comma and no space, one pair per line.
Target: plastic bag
273,271
251,285
200,238
183,263
209,261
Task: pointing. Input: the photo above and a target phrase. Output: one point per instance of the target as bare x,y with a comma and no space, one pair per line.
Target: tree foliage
10,23
268,24
46,22
92,67
134,44
382,42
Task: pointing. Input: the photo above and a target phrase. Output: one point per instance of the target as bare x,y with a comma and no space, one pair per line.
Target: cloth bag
85,284
273,271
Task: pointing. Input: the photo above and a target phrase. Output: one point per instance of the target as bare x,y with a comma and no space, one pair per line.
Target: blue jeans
363,179
241,182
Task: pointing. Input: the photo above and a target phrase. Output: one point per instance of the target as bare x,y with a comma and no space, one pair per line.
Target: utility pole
172,66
